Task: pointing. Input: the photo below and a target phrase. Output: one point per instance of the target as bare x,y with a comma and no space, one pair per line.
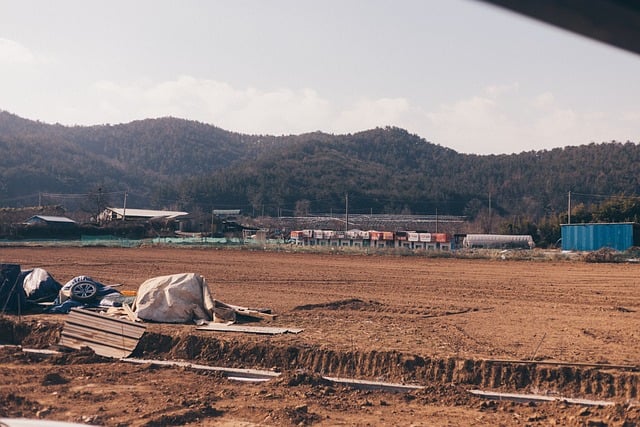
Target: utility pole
569,210
436,220
490,219
124,207
346,210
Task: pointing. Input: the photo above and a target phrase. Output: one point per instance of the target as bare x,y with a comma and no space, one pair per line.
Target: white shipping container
425,237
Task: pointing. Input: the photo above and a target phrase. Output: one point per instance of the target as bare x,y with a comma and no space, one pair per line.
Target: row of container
373,239
410,236
409,239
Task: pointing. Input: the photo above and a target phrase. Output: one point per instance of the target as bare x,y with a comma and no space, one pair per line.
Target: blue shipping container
591,237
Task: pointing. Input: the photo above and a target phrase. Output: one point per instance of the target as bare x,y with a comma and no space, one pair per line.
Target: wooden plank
231,373
525,398
105,335
254,314
130,313
265,330
245,311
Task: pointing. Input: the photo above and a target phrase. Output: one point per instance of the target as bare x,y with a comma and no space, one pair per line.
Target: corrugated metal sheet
105,335
591,237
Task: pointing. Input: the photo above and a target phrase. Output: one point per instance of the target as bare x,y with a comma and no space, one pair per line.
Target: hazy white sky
459,73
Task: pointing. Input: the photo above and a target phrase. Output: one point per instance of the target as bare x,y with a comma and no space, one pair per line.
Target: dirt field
446,324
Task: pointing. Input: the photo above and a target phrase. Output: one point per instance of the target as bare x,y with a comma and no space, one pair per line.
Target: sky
459,73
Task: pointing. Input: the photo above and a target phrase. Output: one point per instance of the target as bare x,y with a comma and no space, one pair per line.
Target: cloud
370,113
249,110
498,119
12,52
505,120
477,124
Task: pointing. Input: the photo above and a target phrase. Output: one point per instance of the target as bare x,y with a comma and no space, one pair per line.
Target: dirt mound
603,255
83,356
346,304
191,415
54,378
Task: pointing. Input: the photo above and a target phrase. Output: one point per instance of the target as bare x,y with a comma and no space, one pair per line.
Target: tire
83,291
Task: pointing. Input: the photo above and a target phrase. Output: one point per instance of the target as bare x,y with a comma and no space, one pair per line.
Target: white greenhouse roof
147,213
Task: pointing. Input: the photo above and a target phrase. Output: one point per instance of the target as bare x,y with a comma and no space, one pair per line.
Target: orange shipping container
375,235
441,237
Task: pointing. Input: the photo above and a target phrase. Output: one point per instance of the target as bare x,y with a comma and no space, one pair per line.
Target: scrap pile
110,322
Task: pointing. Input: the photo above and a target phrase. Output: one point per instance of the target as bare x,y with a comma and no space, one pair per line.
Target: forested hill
176,163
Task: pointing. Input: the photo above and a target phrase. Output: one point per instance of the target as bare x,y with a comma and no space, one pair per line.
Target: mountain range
175,163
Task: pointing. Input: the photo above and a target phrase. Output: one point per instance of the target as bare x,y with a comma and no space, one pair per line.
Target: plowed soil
553,328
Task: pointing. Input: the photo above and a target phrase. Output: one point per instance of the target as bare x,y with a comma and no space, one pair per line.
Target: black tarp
12,298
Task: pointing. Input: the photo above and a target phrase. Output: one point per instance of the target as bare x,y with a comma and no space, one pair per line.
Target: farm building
591,237
504,241
50,221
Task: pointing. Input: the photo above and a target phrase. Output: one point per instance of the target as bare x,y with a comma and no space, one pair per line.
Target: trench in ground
390,366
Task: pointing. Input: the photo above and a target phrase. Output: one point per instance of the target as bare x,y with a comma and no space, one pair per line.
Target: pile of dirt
346,304
83,356
603,255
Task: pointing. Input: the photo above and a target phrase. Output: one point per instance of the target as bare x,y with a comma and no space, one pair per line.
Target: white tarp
177,298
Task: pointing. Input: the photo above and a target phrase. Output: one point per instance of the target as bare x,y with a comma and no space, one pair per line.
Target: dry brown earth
447,324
